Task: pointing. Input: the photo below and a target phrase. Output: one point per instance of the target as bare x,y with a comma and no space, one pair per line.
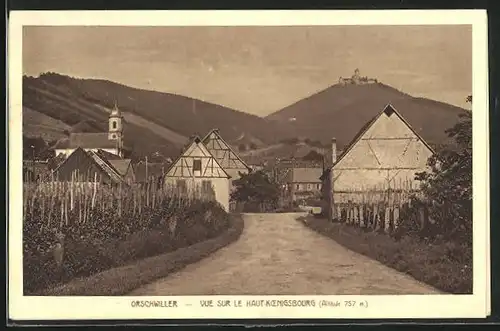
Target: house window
181,186
113,136
309,186
318,186
196,165
297,187
114,125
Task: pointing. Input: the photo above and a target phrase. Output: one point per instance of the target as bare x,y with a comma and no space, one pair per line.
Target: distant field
161,131
281,150
36,124
262,151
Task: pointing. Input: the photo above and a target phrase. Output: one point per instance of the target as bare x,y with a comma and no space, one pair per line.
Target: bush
447,186
124,279
106,240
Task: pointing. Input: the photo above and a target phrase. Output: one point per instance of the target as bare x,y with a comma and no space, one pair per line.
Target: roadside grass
446,266
122,280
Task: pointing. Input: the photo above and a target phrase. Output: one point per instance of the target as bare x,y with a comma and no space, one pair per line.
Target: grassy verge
122,280
445,266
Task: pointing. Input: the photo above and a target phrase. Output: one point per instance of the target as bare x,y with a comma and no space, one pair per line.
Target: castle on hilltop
356,79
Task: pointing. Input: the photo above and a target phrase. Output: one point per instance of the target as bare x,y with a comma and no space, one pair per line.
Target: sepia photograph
281,166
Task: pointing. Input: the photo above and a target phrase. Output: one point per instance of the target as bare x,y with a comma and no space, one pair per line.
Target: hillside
185,116
36,124
341,111
54,105
282,150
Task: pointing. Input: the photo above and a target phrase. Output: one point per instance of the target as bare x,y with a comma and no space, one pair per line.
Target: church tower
115,131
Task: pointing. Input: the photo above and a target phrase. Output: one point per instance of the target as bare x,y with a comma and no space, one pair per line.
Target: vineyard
75,229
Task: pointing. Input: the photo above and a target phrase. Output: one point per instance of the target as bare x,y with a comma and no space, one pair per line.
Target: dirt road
278,255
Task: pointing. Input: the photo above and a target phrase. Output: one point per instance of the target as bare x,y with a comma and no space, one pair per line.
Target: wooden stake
62,213
120,200
43,208
71,190
80,214
66,209
361,215
387,219
25,200
94,193
396,217
376,222
51,207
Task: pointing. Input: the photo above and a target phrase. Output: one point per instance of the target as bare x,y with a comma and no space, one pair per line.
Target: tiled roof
306,175
87,140
106,166
91,140
120,165
108,155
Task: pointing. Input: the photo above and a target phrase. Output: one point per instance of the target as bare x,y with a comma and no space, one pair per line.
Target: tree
313,156
447,186
256,188
35,148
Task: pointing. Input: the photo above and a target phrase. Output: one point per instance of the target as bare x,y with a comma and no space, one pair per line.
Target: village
384,156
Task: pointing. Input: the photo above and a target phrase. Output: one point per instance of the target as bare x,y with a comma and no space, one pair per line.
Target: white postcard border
378,306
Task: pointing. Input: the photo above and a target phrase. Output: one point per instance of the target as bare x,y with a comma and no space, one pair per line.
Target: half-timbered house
196,172
382,158
225,156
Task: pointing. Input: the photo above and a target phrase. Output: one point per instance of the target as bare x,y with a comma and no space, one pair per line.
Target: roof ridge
103,162
197,141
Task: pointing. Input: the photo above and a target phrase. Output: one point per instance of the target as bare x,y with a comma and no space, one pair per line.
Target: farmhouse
225,156
302,179
111,141
197,173
382,158
90,166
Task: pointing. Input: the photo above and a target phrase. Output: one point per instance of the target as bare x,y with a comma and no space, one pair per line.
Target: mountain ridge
73,100
317,116
160,121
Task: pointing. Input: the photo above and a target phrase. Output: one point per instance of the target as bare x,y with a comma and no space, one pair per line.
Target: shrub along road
277,254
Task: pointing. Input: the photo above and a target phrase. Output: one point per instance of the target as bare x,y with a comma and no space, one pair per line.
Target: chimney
334,151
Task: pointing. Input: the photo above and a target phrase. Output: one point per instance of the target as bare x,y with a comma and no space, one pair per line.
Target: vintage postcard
248,164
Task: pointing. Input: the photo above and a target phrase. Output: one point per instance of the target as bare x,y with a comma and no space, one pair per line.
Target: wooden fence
381,207
52,198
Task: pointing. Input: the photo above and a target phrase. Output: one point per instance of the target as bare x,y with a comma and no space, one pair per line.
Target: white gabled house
196,172
383,157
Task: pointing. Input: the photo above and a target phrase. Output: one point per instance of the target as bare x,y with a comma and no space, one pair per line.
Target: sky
258,70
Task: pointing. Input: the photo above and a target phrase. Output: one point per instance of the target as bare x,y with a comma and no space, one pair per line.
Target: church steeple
115,131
